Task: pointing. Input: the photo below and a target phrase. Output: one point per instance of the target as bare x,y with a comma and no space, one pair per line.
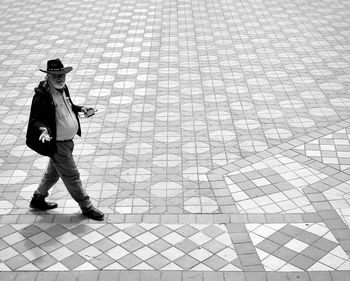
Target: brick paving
220,149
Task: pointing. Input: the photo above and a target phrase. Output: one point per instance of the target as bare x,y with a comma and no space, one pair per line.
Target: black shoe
38,202
94,214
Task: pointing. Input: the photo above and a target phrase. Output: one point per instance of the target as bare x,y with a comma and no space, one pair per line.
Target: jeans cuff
86,207
38,193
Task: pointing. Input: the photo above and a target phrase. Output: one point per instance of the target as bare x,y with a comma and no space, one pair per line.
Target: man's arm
37,113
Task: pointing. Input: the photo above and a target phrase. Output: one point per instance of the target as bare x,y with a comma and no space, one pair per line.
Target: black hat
56,67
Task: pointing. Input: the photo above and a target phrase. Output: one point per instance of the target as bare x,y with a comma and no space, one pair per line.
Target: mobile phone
89,112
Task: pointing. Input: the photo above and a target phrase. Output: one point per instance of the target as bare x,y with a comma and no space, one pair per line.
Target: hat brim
63,71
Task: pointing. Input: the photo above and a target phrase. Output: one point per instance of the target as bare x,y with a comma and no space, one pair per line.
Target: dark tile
279,238
285,253
302,262
313,253
268,246
104,244
186,262
186,245
133,244
73,261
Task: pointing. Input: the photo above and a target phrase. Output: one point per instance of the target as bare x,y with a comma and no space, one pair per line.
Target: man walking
53,123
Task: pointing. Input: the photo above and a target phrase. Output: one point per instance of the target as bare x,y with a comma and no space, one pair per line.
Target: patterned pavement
220,149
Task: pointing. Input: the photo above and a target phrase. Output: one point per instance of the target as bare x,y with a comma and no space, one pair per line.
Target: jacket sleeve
76,108
38,113
40,117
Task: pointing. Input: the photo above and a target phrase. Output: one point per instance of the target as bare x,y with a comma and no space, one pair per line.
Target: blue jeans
62,165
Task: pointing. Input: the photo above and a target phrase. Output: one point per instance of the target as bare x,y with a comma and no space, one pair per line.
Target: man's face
57,80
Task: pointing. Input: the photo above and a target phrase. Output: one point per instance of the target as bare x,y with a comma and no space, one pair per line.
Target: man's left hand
85,109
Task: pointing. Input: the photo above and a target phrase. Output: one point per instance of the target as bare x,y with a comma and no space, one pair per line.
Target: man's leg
49,179
67,169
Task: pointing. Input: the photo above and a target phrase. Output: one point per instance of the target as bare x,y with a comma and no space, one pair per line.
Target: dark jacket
43,114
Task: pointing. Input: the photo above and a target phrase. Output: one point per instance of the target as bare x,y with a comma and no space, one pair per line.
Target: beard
57,84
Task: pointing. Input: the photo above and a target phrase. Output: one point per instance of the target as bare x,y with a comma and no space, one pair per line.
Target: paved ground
220,150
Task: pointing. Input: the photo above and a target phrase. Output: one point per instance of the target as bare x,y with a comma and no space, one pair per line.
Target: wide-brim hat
56,67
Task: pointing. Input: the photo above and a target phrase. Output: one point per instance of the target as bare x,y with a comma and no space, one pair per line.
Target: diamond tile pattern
273,185
339,197
153,246
295,247
332,149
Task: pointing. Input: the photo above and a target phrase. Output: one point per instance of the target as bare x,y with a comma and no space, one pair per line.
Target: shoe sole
95,218
42,209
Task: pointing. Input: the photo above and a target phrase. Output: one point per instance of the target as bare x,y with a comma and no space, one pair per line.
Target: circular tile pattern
312,95
278,134
331,86
195,147
22,102
219,115
100,92
253,146
139,148
292,104
247,124
196,174
114,137
144,126
111,54
10,177
86,72
135,175
145,92
84,149
107,161
191,91
22,151
270,113
263,97
124,85
192,107
242,106
323,112
343,102
146,77
129,60
168,84
143,107
110,65
168,99
167,116
166,160
167,137
126,71
223,136
104,78
301,122
120,100
15,119
216,98
165,90
237,90
7,139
